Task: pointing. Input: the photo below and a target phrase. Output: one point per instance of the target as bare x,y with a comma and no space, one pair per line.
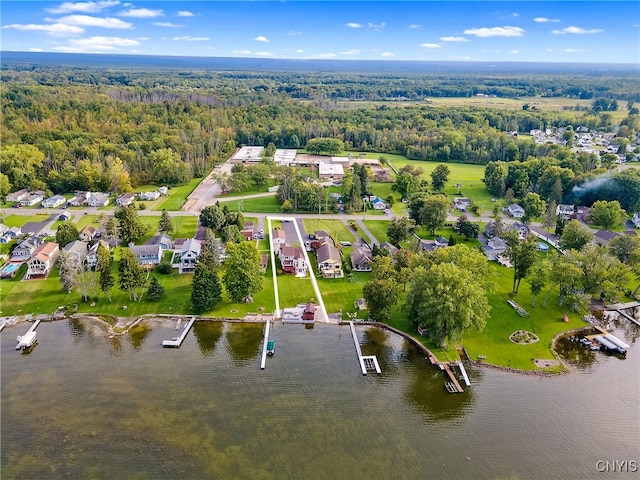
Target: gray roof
328,252
146,250
191,245
76,247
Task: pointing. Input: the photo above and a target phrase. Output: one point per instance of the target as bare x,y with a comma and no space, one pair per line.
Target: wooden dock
263,362
368,363
453,386
29,338
177,341
621,307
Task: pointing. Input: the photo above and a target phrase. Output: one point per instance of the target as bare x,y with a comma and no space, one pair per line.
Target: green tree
399,229
439,177
68,271
550,218
112,229
5,186
329,146
626,248
538,277
66,233
495,178
166,225
521,254
131,227
447,301
212,217
381,291
408,181
466,228
155,291
574,236
433,213
259,174
243,274
132,276
534,206
206,290
607,214
104,268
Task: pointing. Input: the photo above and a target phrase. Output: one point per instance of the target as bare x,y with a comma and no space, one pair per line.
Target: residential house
515,210
78,250
64,216
17,196
3,228
189,255
42,260
491,227
461,203
520,228
98,200
87,234
147,255
92,254
24,250
164,241
79,199
431,245
378,204
149,195
293,261
278,239
496,243
164,191
54,202
636,220
11,234
361,259
32,198
125,199
565,211
392,249
329,261
603,237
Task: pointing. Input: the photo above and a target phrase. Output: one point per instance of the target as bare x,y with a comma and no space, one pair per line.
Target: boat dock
263,362
452,386
177,341
465,377
28,339
367,363
620,307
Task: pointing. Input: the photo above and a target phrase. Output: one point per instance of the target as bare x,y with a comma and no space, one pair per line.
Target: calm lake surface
82,406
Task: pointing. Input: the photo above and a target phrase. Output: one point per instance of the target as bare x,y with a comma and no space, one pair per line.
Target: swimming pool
10,269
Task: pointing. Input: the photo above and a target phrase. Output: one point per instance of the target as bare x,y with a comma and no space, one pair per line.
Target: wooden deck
177,341
457,388
368,363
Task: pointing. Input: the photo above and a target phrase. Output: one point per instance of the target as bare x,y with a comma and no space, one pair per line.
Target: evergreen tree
206,290
104,269
131,227
132,276
166,225
155,291
67,232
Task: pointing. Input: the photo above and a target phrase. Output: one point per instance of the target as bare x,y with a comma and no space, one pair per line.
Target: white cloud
89,21
353,25
414,26
387,54
353,51
187,38
463,57
97,44
261,38
545,20
577,31
574,50
241,52
35,49
57,29
376,26
549,50
327,55
454,39
265,54
185,13
141,13
299,51
514,51
167,24
495,32
86,7
431,45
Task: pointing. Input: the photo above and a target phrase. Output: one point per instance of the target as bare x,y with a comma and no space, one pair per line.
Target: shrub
164,268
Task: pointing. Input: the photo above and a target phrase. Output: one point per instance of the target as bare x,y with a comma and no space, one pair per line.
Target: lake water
82,406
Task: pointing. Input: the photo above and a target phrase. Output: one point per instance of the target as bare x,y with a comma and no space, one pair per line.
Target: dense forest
93,128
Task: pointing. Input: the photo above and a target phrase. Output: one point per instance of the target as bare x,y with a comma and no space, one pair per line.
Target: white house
17,196
164,191
98,200
461,203
293,261
150,195
25,249
565,211
515,210
378,204
636,220
53,202
125,199
42,260
33,198
92,254
189,255
87,233
278,239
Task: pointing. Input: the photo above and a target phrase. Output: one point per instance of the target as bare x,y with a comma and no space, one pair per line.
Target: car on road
345,244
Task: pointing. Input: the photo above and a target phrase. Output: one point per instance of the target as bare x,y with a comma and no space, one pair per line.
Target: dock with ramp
367,363
177,341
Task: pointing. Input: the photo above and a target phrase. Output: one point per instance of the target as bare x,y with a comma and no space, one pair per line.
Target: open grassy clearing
340,293
378,229
184,227
176,196
20,220
293,290
336,228
255,205
85,220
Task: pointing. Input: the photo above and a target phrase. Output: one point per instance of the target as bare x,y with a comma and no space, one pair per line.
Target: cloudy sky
538,31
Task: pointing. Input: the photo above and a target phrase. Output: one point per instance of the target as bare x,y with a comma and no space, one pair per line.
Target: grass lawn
378,229
255,205
176,196
335,227
20,220
340,293
85,220
293,290
184,227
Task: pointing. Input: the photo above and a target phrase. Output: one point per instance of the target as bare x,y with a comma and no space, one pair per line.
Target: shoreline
123,325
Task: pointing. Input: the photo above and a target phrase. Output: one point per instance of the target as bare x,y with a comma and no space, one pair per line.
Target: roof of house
498,242
328,252
191,245
515,207
44,251
330,169
77,246
387,246
359,255
605,235
88,230
289,251
279,233
145,250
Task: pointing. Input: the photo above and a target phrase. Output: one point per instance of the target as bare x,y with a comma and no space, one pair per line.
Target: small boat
271,347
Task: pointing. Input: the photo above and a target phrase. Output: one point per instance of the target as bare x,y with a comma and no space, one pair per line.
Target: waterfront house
92,254
329,261
17,196
361,259
278,239
42,260
292,260
54,202
24,250
32,198
147,255
98,200
87,234
189,252
125,200
164,241
515,210
78,251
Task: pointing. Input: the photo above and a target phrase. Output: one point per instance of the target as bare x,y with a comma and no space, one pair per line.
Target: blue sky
522,31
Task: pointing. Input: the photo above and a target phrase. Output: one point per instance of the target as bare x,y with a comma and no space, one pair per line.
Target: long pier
177,341
464,374
620,307
29,338
263,362
453,385
367,363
